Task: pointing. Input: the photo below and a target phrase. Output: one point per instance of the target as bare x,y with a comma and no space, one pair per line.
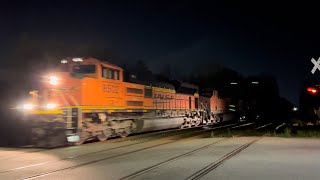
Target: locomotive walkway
189,154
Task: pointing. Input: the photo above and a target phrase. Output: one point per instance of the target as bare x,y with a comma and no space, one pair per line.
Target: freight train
89,98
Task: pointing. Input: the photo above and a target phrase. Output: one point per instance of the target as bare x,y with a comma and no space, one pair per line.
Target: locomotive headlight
51,106
63,61
77,59
53,80
27,106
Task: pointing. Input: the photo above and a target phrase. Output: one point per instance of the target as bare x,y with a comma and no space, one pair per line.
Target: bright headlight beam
77,59
53,80
63,61
51,106
27,106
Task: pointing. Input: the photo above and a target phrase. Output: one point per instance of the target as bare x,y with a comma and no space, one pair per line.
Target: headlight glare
51,106
53,80
27,106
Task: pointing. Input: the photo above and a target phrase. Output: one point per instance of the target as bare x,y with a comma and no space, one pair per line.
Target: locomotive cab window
110,73
84,69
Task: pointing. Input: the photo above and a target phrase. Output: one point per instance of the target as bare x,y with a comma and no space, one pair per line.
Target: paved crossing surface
195,157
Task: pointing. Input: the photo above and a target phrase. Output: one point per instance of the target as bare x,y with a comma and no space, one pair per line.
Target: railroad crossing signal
316,65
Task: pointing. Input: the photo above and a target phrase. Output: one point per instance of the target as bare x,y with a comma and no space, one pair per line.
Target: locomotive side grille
134,103
134,91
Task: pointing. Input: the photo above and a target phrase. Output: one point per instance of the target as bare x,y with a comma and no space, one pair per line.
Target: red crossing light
312,90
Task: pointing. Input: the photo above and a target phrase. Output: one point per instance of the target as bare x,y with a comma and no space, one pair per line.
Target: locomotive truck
89,98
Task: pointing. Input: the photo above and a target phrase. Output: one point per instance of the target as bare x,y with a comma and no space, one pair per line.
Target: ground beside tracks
217,154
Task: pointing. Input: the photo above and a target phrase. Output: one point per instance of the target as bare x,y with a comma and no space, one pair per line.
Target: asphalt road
169,158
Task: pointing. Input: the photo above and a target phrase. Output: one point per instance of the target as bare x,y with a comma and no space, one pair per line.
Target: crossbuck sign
316,65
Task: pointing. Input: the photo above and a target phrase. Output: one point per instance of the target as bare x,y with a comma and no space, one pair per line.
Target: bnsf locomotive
89,98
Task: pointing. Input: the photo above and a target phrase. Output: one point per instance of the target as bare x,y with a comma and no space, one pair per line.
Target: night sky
279,39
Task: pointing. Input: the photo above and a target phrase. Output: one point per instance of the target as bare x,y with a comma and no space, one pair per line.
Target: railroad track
271,127
202,172
130,138
280,126
159,132
263,126
77,156
171,139
145,170
243,125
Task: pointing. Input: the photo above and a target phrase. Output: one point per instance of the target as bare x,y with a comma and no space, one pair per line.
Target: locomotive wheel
81,141
102,137
188,125
126,132
183,125
198,122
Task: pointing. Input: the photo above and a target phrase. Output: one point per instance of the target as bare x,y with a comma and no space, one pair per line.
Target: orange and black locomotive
88,98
